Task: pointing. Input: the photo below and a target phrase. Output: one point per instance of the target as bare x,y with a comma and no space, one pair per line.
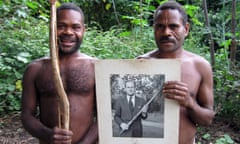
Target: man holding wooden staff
77,77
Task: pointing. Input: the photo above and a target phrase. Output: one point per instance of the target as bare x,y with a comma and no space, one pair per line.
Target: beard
75,48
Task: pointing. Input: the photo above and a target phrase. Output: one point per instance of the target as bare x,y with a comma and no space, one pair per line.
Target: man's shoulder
87,58
80,60
147,55
35,65
38,62
195,57
198,61
84,56
120,99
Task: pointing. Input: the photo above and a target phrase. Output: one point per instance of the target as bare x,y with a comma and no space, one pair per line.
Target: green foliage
227,86
108,13
117,43
208,138
105,44
192,11
226,139
22,38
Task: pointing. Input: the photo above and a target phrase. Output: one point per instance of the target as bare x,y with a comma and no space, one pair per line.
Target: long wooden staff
63,107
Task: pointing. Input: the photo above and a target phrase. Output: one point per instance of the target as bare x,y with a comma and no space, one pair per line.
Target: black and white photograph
130,104
137,105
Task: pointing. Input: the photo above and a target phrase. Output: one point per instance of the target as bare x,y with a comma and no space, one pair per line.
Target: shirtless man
77,73
194,92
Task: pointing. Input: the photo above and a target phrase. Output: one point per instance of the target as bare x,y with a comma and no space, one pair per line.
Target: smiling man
77,73
194,92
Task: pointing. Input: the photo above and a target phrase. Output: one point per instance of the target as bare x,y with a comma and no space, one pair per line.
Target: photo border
104,68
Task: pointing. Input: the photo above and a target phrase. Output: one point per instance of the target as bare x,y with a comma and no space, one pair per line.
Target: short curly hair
70,6
171,5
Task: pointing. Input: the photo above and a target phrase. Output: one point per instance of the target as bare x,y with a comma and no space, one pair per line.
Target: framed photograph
131,106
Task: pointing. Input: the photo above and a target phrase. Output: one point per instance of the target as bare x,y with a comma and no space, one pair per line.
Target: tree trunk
115,12
211,41
233,47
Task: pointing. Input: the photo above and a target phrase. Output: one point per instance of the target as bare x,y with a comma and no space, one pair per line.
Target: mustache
162,39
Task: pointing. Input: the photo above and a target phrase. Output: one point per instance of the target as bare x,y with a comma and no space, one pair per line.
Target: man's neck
68,56
174,54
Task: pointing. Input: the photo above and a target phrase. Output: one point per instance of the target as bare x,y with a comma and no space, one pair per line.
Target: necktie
131,104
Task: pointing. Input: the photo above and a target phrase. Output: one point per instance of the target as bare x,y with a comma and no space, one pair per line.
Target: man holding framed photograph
194,92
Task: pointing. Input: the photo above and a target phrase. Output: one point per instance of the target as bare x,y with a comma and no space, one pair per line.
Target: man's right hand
61,136
124,126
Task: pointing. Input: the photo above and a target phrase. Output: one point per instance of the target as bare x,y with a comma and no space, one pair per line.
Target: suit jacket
124,115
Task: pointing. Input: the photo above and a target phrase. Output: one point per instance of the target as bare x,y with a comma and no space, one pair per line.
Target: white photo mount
107,70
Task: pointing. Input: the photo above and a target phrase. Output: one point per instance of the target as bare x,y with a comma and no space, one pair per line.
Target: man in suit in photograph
126,108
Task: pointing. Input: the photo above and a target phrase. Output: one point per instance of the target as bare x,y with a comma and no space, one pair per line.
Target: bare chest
191,76
76,79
